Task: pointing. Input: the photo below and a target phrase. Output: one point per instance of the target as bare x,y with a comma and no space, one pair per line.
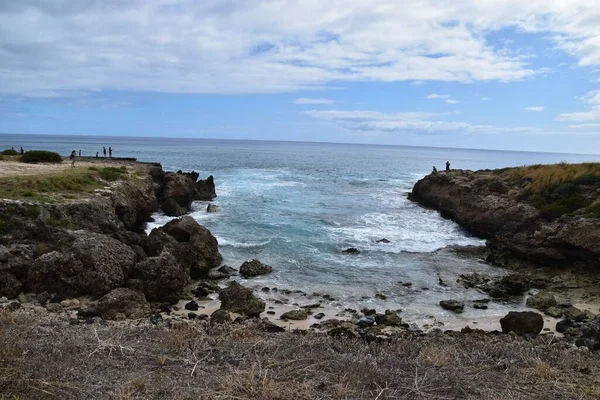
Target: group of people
74,154
447,167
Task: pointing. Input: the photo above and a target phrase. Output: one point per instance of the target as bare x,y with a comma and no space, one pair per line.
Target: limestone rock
254,268
526,323
453,305
123,301
164,279
297,315
541,301
241,300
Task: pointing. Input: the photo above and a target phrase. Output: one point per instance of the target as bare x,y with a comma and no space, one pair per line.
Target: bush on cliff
9,152
35,156
112,173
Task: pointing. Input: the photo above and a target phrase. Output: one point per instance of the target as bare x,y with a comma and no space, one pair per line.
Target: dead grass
543,177
65,184
137,360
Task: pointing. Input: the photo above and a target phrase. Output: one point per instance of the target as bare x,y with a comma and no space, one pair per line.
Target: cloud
313,101
535,109
585,126
437,96
263,46
406,122
445,97
591,101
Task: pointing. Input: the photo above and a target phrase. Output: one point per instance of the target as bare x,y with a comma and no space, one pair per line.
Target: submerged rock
453,305
351,250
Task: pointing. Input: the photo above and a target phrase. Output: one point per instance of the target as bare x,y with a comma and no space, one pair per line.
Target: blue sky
494,74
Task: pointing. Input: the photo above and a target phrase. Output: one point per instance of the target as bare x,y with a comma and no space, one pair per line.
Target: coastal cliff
530,216
81,232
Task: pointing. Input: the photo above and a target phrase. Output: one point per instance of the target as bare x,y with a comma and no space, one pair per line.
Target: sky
494,74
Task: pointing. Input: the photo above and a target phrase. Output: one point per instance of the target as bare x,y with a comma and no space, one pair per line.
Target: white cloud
408,122
313,101
265,46
585,126
445,97
591,101
437,96
535,109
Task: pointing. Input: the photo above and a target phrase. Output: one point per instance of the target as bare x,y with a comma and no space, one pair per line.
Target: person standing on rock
110,152
22,152
96,154
72,157
79,153
104,151
447,165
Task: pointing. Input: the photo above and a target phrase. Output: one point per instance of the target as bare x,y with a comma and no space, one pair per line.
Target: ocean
296,206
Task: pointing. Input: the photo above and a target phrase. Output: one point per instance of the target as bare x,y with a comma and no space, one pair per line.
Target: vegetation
35,156
70,183
558,189
112,173
43,356
9,152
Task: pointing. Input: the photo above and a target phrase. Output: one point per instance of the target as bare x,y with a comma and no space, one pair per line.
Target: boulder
543,300
565,324
238,299
15,261
365,322
254,268
574,313
205,189
192,306
526,323
194,247
590,335
177,194
453,305
163,277
555,312
390,318
123,301
510,285
220,317
95,264
297,315
212,208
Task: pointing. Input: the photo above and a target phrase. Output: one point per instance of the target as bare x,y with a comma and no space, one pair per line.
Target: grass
557,189
136,360
70,183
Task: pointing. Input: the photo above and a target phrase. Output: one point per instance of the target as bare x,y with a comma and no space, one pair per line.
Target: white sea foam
244,245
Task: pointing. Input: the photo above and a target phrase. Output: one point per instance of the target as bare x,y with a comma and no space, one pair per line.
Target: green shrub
9,152
35,156
588,179
112,173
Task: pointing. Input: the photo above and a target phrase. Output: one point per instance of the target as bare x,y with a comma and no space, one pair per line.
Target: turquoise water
295,206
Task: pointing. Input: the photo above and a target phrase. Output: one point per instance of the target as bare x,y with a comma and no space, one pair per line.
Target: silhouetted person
434,170
447,165
22,152
110,152
104,151
79,153
72,157
96,154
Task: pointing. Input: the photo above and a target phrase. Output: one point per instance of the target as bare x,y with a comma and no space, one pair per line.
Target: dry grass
543,177
44,357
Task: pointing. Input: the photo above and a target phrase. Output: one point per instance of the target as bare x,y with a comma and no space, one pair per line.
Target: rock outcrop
95,244
503,210
123,303
252,268
180,190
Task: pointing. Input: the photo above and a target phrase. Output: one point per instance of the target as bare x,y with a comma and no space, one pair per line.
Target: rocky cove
82,265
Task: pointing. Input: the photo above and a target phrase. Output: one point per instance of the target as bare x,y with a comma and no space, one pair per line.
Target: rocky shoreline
554,254
90,258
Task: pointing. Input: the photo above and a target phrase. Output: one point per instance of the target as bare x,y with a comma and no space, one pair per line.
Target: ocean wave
243,245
